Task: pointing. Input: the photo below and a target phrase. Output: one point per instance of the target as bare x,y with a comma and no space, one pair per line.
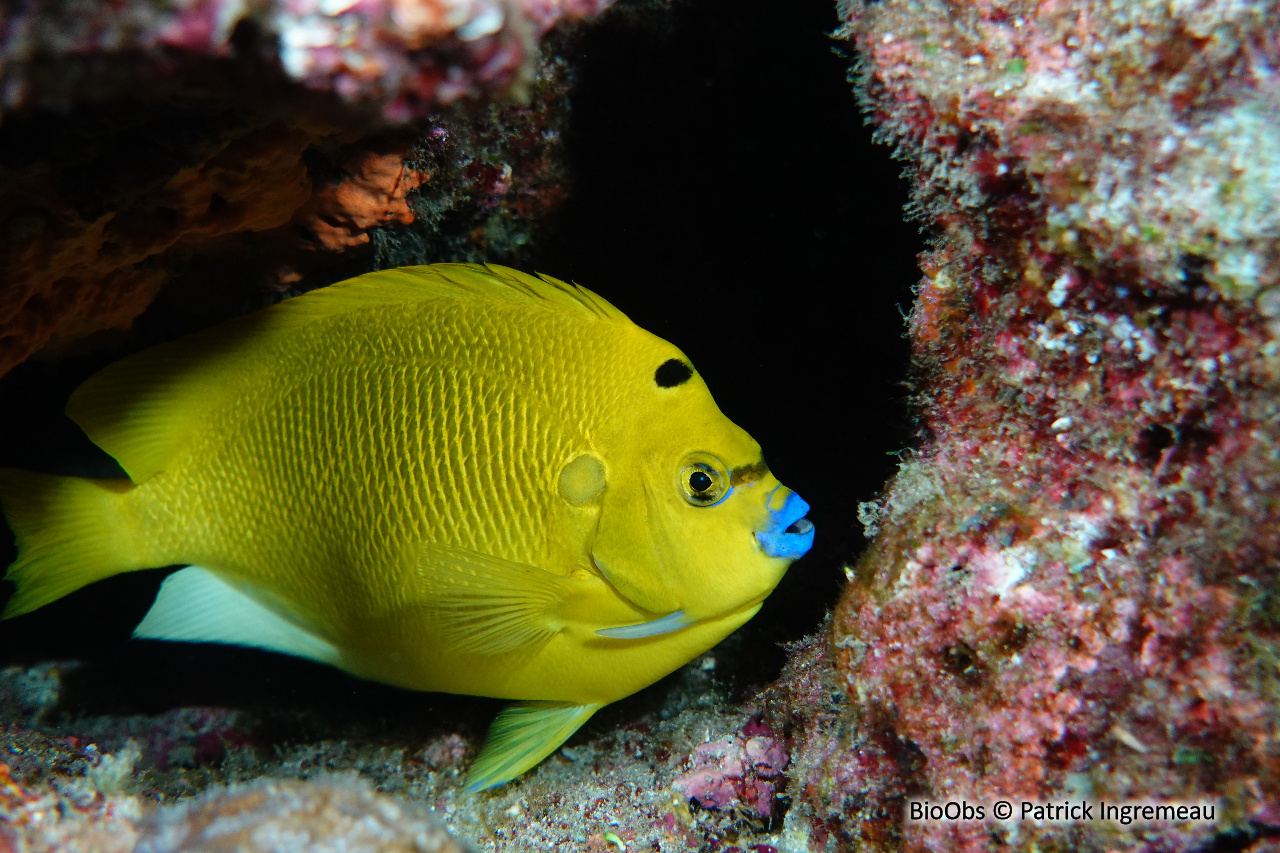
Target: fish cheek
628,548
722,565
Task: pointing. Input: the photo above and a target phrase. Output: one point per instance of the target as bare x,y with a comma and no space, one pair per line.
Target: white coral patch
300,37
1058,293
1059,85
489,21
1001,571
1054,343
1230,177
335,7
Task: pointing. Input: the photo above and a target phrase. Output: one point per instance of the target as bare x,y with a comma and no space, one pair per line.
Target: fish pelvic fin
70,532
654,628
520,737
488,605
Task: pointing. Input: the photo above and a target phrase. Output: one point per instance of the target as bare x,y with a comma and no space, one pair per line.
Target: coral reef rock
736,773
338,813
227,145
402,58
210,779
1073,592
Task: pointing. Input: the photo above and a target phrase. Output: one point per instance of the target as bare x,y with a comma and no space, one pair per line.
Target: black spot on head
671,373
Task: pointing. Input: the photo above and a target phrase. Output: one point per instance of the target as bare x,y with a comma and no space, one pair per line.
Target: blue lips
790,534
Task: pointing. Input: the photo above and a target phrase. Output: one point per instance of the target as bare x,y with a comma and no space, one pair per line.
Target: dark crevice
738,208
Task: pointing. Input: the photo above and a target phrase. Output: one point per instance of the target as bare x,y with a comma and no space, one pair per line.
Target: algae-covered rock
1070,597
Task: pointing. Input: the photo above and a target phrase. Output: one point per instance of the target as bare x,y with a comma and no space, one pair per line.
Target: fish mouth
789,534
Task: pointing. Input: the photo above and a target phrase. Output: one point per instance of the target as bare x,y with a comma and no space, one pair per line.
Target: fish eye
703,481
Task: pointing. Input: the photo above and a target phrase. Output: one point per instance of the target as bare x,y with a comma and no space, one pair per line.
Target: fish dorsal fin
407,285
142,409
522,735
487,605
540,286
194,605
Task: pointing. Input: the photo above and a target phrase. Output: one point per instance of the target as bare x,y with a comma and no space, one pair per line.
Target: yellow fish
451,477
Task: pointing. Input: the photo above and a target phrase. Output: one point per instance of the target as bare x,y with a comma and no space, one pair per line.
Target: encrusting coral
1072,592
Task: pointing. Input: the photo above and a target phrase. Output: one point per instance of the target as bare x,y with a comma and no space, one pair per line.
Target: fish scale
458,478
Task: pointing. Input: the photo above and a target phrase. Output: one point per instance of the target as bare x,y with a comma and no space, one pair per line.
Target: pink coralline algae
741,772
402,57
1072,594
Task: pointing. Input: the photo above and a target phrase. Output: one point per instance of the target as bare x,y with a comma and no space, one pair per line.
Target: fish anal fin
488,605
522,735
194,605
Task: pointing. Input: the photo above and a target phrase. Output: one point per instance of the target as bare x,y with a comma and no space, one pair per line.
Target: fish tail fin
521,736
70,532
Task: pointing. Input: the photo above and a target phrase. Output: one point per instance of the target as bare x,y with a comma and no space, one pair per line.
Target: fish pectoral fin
488,605
194,605
521,736
653,628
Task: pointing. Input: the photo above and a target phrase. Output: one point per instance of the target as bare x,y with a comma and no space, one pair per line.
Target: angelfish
452,477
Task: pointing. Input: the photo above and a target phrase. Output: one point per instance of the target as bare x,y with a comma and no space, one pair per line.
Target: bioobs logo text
1067,811
923,811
